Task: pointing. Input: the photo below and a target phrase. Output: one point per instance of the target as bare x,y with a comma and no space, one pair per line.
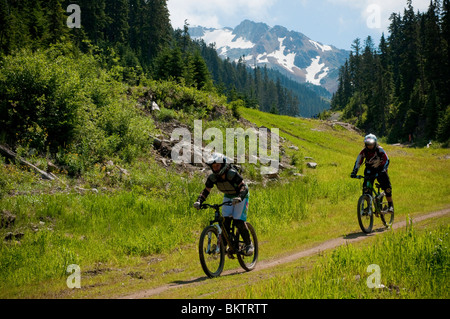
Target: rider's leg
227,213
368,191
240,217
227,224
385,184
243,230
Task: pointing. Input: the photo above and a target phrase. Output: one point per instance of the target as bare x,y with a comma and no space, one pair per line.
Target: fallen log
5,151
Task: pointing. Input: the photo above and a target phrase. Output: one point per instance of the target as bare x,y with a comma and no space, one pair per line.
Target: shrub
38,98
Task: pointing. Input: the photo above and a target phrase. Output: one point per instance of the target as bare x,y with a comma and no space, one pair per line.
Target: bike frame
218,222
368,186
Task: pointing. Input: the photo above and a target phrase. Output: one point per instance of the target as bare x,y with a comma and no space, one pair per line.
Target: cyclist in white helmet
231,183
377,162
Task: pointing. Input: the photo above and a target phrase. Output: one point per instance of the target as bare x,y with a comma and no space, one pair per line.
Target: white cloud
369,8
212,13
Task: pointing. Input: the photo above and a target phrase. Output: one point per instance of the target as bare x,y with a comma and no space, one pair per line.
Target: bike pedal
230,254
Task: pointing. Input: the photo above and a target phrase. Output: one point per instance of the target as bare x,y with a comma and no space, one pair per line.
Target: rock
122,171
94,190
298,175
273,176
11,236
155,107
312,165
295,148
265,128
7,219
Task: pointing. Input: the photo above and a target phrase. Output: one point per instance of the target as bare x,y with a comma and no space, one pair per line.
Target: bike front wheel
248,262
365,214
211,252
386,217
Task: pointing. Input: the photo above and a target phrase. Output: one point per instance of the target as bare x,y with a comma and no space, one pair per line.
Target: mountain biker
377,162
231,183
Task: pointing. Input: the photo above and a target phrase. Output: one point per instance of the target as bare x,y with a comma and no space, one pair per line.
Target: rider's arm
359,162
243,190
384,160
241,185
204,195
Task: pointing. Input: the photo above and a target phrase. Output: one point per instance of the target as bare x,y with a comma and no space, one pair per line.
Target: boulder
312,165
155,107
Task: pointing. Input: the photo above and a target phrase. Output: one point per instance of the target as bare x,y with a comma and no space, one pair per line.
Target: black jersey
232,185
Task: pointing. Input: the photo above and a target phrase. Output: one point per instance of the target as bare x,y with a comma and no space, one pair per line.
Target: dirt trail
330,244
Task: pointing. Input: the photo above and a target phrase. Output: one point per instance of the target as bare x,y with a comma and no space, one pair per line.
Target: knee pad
388,192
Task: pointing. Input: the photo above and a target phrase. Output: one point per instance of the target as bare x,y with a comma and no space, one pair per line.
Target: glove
237,201
197,205
353,175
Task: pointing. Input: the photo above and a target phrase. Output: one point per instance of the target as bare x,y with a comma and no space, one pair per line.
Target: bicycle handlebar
206,206
368,176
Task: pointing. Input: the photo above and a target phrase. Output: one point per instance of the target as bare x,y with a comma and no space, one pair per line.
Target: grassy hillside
142,225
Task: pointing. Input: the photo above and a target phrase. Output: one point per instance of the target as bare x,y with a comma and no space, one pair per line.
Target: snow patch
262,58
285,60
321,46
224,40
316,71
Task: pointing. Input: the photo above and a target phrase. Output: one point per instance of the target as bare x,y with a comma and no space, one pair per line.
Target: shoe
249,250
390,210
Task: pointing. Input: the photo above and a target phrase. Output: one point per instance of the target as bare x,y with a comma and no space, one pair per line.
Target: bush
177,97
69,105
38,99
235,106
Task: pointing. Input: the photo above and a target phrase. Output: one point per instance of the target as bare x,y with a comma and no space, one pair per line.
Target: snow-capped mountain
290,52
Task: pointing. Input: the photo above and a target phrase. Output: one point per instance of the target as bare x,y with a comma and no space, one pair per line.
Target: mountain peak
290,52
250,30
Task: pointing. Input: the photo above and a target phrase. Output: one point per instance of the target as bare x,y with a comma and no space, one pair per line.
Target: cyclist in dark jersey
231,183
377,162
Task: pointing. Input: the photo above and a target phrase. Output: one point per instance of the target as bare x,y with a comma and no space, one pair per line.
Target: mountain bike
214,241
372,203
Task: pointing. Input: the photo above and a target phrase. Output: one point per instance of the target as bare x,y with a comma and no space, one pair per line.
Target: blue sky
332,22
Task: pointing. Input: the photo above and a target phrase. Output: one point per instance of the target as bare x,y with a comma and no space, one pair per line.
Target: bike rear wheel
365,214
386,217
211,252
248,262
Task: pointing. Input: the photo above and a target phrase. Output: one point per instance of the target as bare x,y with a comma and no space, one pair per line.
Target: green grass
149,214
413,264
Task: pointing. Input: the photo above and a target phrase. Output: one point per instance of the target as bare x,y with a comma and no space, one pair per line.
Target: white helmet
218,158
371,140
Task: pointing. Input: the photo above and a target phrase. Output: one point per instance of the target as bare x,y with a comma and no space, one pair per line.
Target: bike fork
218,241
370,212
